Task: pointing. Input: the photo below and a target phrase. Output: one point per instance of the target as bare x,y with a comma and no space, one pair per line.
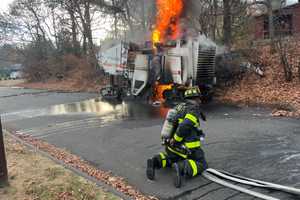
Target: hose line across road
220,177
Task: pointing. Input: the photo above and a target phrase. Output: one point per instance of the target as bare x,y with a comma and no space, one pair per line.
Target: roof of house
15,67
292,6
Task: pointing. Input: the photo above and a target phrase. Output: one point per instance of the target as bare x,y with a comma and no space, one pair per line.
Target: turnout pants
192,164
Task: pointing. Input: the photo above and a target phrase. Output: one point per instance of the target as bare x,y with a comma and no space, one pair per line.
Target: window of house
283,25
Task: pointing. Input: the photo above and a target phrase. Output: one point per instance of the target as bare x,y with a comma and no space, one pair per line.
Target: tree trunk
54,27
143,15
214,24
287,68
299,70
227,32
115,21
75,44
87,42
89,35
271,21
88,27
84,44
128,17
288,74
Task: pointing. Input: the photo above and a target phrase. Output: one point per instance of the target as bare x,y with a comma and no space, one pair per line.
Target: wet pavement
120,136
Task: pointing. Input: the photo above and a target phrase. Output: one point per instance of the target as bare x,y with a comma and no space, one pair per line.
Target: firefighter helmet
192,92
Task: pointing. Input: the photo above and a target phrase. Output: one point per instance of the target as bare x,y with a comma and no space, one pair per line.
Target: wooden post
3,164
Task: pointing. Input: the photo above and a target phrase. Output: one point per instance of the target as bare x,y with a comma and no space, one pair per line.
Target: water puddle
107,111
112,110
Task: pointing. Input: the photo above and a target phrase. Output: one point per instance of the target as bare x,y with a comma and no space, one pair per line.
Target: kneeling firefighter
181,135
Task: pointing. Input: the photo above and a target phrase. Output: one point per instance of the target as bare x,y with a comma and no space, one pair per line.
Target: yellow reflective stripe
192,145
177,138
163,159
180,120
180,154
194,167
192,118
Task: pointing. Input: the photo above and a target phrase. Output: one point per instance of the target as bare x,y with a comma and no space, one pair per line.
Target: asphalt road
119,137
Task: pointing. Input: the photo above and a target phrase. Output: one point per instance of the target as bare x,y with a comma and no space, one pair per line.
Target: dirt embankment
77,80
272,89
75,74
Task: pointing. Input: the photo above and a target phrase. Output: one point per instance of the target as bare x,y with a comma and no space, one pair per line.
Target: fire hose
254,182
215,179
219,176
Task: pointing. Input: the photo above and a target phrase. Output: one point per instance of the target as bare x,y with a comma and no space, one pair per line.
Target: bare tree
227,23
69,6
282,43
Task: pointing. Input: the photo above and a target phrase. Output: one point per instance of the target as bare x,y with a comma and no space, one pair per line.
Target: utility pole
3,164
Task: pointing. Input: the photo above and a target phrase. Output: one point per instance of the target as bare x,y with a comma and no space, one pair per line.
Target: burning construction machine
162,72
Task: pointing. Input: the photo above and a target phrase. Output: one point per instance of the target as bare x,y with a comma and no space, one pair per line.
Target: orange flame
159,91
167,20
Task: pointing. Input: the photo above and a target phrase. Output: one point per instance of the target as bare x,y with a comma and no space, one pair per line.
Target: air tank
168,126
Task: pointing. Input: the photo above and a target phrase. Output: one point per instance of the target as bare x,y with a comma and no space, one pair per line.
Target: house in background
14,71
286,22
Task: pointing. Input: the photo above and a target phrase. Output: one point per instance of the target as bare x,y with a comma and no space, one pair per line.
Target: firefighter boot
150,169
178,174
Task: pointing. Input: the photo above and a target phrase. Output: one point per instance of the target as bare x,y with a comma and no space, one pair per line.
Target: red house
286,22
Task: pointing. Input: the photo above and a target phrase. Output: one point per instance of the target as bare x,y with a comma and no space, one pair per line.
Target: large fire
167,20
159,91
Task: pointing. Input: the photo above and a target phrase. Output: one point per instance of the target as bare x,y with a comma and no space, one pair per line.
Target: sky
4,4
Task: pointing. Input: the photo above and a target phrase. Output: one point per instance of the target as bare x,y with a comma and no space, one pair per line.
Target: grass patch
34,177
54,172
